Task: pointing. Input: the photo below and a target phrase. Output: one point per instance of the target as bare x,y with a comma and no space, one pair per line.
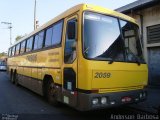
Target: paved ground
30,106
153,100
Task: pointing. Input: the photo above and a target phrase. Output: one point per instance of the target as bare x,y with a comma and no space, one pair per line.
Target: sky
21,14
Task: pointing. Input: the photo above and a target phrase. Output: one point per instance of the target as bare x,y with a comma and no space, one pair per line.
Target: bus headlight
141,95
103,100
95,101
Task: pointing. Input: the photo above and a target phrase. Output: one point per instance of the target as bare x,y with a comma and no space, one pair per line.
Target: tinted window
13,50
23,47
48,38
70,47
9,52
17,49
132,42
102,40
54,34
35,43
29,44
57,33
38,41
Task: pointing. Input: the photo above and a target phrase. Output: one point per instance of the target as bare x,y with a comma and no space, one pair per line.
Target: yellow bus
88,57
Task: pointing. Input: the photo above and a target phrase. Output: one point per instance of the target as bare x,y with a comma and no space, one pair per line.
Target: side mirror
71,30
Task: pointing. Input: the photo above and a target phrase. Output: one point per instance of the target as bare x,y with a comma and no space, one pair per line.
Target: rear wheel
51,93
12,77
16,79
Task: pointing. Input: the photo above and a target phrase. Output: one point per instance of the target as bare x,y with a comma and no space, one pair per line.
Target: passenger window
70,45
13,50
38,41
9,52
29,44
17,49
35,43
23,44
54,34
48,38
57,33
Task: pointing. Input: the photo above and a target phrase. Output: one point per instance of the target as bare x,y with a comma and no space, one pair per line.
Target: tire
16,79
12,77
51,93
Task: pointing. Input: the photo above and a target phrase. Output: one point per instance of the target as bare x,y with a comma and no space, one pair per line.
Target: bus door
69,94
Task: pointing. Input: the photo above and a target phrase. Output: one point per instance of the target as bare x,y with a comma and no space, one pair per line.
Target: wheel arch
47,78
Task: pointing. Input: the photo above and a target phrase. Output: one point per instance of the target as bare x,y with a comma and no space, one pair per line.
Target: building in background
147,14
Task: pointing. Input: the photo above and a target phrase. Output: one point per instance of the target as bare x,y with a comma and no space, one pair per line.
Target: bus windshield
109,38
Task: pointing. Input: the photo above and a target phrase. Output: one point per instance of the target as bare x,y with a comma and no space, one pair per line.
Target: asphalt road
21,103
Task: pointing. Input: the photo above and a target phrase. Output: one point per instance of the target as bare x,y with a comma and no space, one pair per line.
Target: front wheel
52,93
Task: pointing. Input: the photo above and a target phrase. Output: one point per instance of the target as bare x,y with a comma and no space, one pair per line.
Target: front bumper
113,99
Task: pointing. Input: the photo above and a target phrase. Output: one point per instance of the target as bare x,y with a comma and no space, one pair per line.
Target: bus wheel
12,77
52,94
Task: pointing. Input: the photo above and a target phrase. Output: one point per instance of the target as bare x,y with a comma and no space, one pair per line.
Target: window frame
29,44
17,50
9,52
51,26
82,20
24,46
94,12
37,34
75,18
59,22
13,48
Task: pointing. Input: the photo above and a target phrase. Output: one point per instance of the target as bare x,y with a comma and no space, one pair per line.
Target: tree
19,37
3,54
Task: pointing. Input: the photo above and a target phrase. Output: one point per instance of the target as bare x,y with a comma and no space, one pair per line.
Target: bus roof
80,7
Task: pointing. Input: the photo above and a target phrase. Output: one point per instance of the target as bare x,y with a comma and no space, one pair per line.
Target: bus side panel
54,73
39,74
34,72
20,70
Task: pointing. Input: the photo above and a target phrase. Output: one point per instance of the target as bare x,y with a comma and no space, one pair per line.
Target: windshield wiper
111,60
86,50
137,59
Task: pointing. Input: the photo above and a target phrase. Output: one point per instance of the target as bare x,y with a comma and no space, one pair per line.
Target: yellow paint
124,76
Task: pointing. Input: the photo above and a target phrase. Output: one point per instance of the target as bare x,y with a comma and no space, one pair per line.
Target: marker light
103,100
95,101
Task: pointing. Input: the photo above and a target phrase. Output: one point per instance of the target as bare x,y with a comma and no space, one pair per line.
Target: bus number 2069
102,75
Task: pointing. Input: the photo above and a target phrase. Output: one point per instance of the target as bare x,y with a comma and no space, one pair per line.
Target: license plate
126,99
